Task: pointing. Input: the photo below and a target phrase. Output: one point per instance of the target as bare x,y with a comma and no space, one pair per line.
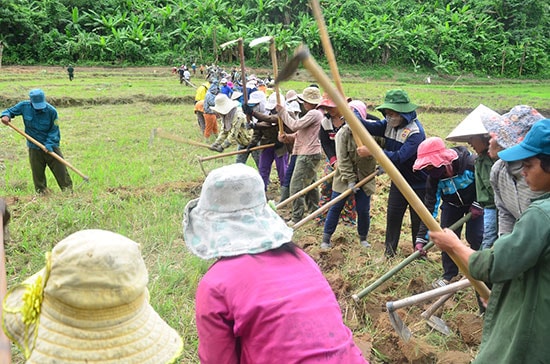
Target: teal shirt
42,125
517,317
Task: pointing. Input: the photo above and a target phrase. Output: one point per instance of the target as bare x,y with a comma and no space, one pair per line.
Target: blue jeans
362,205
490,228
289,170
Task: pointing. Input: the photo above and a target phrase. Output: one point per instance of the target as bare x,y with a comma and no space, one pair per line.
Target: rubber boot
285,193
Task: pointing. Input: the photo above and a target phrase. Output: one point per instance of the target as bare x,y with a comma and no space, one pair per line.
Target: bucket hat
231,217
89,304
472,125
326,102
360,107
271,101
223,104
399,101
511,128
432,152
291,95
311,95
256,97
38,99
537,141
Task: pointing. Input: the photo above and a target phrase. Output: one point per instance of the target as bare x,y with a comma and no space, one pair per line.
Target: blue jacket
401,145
42,125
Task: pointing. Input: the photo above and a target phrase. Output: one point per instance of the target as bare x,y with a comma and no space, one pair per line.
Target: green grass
138,185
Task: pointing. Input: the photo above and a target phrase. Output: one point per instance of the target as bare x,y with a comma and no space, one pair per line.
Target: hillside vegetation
488,37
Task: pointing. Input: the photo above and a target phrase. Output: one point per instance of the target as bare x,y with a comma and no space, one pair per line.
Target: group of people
287,311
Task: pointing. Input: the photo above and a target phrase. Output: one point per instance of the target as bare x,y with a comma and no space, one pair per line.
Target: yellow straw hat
90,304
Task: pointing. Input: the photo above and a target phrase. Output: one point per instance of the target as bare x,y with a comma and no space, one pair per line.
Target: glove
419,246
476,210
351,187
279,144
251,145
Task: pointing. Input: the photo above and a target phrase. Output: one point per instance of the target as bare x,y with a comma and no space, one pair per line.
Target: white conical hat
472,125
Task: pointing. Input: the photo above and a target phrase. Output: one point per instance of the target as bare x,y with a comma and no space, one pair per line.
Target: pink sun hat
432,152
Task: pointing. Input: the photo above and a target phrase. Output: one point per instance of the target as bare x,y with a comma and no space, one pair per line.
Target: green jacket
351,167
516,321
484,191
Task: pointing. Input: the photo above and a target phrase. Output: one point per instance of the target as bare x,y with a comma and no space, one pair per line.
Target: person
472,131
307,148
512,194
293,108
450,179
350,169
200,94
225,89
210,120
402,133
194,68
70,71
42,124
89,304
199,112
187,77
264,300
181,71
266,131
233,123
331,124
201,69
518,265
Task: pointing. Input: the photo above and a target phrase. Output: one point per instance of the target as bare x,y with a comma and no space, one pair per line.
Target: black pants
397,205
474,234
39,160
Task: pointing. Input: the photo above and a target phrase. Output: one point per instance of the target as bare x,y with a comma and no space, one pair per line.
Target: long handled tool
305,190
411,258
242,151
241,59
273,52
41,146
434,321
161,134
5,348
329,53
392,306
333,201
303,56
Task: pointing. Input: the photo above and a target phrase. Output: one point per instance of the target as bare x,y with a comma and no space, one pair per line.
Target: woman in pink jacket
264,300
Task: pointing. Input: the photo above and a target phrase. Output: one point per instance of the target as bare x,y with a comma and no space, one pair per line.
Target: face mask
394,121
437,173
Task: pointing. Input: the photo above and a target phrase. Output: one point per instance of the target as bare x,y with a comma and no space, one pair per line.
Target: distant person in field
263,300
70,71
41,123
518,266
89,304
194,68
402,133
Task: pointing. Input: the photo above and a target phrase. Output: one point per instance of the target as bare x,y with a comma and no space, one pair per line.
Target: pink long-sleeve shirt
271,307
307,131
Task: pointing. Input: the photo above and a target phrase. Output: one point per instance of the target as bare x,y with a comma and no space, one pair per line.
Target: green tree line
493,37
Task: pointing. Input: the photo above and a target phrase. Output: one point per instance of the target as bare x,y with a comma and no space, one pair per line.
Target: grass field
139,185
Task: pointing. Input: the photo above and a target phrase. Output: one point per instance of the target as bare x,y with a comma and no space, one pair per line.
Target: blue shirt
42,125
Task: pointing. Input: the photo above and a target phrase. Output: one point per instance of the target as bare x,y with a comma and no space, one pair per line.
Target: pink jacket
272,307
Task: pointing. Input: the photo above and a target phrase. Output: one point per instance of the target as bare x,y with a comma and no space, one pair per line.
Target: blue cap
38,99
537,141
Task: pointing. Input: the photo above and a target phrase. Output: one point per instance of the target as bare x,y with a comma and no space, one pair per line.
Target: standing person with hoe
518,265
41,123
402,133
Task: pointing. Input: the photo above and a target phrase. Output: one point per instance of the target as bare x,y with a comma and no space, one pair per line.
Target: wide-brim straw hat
271,101
472,125
223,104
232,217
432,152
89,305
311,95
